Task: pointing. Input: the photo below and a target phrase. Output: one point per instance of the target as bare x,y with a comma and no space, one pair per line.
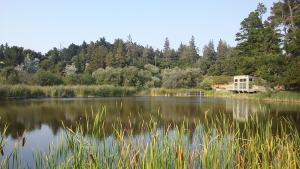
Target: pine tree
167,52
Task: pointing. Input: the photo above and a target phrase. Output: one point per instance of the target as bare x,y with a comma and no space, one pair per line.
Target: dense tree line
269,49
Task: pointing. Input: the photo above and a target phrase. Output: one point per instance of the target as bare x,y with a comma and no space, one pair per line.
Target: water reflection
40,121
242,109
30,115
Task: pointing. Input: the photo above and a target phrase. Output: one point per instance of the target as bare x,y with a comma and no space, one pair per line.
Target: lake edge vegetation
25,91
216,143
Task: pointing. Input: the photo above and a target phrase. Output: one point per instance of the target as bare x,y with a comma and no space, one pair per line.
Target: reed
168,92
25,91
216,143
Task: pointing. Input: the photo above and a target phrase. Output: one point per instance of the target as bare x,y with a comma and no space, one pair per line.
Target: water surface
40,120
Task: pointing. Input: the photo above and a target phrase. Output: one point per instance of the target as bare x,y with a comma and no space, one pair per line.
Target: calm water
40,121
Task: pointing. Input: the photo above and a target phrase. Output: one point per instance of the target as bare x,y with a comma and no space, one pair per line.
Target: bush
128,76
209,81
79,79
206,83
181,78
45,78
10,76
111,76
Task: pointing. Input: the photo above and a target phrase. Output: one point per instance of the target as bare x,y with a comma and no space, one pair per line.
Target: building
244,83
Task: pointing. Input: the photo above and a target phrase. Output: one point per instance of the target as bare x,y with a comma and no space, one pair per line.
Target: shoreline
20,92
272,96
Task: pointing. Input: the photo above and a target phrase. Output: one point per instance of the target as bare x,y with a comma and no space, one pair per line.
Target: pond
40,121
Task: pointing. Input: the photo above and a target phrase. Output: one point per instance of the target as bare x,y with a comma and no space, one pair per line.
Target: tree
188,54
181,78
285,15
261,10
222,54
12,56
79,61
119,53
45,78
209,56
70,69
31,65
290,77
193,49
11,76
250,36
98,58
167,52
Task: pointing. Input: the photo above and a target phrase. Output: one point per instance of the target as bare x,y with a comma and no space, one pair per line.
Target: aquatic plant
25,91
215,143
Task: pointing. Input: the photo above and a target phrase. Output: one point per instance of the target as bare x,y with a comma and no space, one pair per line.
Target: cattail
191,160
92,158
23,141
137,157
1,151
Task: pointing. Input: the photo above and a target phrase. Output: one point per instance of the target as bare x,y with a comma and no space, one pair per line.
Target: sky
43,24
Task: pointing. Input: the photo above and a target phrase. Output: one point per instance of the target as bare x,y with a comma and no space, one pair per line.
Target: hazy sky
42,25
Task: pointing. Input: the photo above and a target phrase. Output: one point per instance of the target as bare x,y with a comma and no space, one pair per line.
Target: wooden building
244,83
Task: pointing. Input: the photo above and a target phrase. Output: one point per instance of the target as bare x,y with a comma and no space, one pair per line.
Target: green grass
277,96
287,96
217,143
24,91
167,92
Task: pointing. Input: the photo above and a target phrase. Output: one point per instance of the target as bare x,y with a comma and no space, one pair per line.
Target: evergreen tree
285,15
119,53
167,52
193,49
208,58
223,50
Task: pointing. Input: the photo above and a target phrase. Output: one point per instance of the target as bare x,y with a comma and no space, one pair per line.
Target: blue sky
42,25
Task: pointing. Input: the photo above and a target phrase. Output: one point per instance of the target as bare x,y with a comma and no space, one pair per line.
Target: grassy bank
24,91
278,96
167,92
216,143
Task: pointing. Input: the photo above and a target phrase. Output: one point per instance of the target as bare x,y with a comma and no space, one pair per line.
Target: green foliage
181,78
10,76
209,81
112,76
291,76
206,83
285,16
128,76
45,78
268,49
25,91
79,79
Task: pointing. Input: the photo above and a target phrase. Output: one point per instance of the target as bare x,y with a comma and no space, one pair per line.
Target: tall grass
286,96
277,96
168,92
24,91
216,143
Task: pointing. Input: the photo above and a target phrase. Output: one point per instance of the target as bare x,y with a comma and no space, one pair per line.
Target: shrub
10,76
128,76
112,76
206,83
45,78
181,78
79,79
